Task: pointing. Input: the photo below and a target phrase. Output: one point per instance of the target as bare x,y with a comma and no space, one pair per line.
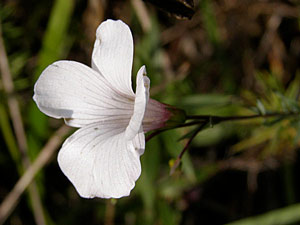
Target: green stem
190,140
156,132
178,160
218,119
204,119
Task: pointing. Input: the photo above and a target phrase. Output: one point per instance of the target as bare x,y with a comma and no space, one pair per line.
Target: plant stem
201,119
17,122
218,119
153,134
177,162
11,200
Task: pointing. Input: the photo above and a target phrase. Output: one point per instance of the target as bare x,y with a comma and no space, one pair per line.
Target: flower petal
71,90
100,162
140,104
113,54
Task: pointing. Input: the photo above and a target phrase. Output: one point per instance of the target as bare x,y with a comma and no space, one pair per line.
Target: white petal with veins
100,162
113,54
140,103
71,90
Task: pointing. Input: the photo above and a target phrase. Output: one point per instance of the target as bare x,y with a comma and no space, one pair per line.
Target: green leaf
260,107
9,137
210,21
55,36
204,100
294,88
287,215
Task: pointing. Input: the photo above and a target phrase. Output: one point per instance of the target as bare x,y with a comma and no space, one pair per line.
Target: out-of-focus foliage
277,136
232,58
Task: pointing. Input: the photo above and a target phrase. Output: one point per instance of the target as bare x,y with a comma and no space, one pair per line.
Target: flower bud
159,115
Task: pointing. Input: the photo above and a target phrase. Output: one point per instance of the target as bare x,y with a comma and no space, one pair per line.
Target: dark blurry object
181,9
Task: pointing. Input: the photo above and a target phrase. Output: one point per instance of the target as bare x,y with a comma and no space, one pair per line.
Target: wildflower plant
102,158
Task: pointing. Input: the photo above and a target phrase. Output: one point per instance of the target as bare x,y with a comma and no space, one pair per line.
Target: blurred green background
231,58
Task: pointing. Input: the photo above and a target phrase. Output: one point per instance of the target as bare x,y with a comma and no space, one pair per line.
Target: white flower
101,159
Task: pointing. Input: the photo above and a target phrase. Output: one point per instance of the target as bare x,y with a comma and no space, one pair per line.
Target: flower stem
156,132
218,119
178,160
212,120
